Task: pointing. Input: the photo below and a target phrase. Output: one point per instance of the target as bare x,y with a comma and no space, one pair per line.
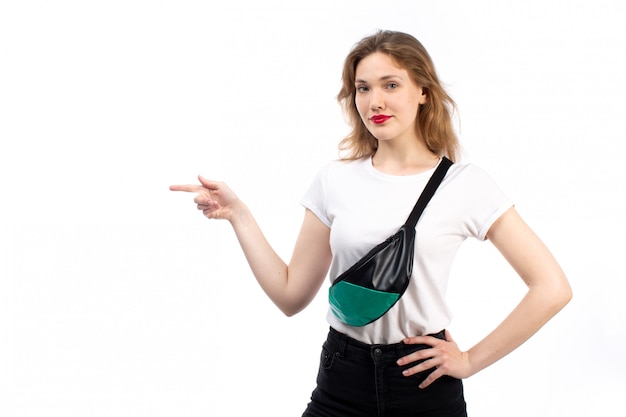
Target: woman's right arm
290,286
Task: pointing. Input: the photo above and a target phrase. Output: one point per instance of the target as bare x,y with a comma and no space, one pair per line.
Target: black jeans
360,380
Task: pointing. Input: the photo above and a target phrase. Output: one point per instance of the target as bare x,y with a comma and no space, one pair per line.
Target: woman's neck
394,160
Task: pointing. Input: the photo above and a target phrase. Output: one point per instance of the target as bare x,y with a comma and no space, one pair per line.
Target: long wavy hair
434,121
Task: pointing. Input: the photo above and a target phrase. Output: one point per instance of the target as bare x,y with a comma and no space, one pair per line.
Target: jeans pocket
327,357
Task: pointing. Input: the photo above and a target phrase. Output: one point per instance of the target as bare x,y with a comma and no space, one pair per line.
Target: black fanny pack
370,287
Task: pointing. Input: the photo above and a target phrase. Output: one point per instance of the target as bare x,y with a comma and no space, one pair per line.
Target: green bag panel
358,306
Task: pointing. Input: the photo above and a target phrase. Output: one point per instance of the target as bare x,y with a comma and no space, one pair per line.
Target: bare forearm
291,287
268,268
536,308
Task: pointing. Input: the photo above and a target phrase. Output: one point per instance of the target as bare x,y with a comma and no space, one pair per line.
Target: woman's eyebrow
383,78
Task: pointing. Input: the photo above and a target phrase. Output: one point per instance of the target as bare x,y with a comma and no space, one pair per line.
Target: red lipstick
380,118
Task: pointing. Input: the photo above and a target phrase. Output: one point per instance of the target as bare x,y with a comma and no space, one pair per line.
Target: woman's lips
379,118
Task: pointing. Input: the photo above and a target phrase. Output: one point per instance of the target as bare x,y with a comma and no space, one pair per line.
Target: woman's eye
392,85
362,89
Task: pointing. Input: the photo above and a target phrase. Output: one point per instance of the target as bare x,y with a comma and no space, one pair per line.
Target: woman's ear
424,96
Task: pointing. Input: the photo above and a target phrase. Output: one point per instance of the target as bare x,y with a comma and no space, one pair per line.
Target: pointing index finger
190,188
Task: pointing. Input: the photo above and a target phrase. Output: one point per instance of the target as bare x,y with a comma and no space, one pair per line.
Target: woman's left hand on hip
444,357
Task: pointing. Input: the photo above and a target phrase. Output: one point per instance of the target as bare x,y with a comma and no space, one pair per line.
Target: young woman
405,363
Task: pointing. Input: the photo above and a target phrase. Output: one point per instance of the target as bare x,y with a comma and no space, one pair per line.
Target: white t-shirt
363,206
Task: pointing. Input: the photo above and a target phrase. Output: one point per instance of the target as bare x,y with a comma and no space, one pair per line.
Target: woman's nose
377,101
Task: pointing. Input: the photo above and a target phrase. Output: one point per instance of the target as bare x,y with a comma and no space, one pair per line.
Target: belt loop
343,343
400,349
341,340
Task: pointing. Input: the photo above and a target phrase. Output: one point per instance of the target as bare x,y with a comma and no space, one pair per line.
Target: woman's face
387,99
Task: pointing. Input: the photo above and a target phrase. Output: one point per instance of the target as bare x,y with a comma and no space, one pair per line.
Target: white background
117,298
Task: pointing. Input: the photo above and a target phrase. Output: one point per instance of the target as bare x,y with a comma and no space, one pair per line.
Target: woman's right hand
215,199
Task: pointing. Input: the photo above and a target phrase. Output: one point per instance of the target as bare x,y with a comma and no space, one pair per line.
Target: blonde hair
434,123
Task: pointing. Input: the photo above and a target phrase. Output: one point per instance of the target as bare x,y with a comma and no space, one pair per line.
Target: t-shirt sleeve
316,196
485,203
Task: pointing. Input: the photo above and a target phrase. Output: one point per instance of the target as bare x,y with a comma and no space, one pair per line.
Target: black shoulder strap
429,191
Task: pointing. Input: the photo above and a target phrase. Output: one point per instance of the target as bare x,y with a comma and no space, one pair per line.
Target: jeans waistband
400,348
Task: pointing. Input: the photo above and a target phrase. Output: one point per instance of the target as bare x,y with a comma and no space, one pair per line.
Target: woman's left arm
548,292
